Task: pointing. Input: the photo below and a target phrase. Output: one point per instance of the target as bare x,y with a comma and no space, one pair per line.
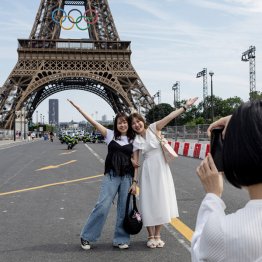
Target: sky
171,40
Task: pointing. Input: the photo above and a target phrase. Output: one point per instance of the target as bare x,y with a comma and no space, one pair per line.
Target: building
104,118
53,112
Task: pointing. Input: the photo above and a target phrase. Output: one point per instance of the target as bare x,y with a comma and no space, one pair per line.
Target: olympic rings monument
99,63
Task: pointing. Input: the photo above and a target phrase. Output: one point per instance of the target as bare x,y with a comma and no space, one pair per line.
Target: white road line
101,160
178,237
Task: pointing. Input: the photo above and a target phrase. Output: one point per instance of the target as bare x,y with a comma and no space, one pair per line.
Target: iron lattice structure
250,56
203,74
47,64
176,89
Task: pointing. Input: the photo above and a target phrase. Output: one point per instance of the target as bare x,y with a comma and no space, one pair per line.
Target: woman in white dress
157,197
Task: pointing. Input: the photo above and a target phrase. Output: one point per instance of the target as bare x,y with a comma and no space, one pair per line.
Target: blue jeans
111,185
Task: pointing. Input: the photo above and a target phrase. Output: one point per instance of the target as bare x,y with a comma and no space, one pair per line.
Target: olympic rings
90,16
88,25
76,19
53,15
61,21
96,16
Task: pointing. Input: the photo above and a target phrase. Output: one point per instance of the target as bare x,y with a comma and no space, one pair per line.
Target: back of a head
242,150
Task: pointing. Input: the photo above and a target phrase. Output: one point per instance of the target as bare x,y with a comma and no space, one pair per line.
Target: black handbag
133,221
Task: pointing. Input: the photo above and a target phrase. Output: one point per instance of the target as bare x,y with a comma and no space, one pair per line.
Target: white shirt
233,238
122,142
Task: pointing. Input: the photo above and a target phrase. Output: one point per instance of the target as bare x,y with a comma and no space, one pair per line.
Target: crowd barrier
195,150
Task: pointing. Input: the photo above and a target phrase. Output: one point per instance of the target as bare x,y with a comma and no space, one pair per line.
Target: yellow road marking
175,222
182,228
49,185
57,166
68,153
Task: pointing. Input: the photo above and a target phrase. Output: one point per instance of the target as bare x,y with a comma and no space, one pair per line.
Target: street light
211,73
36,117
14,116
176,89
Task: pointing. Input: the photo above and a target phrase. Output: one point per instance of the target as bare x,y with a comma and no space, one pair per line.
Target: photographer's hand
210,178
220,122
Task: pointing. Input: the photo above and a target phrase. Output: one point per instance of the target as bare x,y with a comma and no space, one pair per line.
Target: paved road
47,192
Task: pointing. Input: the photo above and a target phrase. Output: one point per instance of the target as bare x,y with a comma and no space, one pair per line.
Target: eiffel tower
48,64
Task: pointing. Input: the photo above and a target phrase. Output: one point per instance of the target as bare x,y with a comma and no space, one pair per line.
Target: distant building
104,118
53,112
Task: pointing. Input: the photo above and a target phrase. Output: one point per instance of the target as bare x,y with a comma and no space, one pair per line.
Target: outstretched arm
164,121
94,123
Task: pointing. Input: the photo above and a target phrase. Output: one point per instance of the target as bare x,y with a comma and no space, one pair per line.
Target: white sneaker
85,244
122,246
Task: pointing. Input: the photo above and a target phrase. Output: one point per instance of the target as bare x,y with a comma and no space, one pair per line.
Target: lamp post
36,117
176,90
14,116
14,123
211,73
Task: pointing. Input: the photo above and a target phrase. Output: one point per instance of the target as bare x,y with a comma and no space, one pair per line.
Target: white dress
157,192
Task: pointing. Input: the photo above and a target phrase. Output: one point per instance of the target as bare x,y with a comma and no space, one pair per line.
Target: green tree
221,107
255,95
158,112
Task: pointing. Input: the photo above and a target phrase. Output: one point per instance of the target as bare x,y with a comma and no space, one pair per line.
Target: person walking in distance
158,197
120,178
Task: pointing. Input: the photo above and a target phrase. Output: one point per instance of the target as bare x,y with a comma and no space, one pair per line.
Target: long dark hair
130,133
242,150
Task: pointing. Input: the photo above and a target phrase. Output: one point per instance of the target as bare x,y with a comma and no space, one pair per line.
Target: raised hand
220,122
73,104
191,101
210,178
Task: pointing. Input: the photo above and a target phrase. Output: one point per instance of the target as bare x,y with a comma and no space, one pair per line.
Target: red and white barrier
195,150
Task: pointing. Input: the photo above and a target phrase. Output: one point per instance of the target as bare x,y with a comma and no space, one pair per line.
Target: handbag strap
128,203
159,139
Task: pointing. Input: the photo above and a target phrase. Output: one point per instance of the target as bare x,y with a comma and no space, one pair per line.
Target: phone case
216,148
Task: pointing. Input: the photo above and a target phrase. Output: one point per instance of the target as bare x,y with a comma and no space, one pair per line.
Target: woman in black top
120,177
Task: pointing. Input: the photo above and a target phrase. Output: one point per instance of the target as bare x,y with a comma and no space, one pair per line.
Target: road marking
101,160
68,153
57,166
182,228
49,185
18,172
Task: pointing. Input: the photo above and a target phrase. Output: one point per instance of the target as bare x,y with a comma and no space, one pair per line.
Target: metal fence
6,134
198,132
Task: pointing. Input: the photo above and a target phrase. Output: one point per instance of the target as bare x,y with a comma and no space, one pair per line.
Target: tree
255,95
221,107
158,112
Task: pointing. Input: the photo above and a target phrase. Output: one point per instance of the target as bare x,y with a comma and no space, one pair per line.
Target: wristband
184,108
134,181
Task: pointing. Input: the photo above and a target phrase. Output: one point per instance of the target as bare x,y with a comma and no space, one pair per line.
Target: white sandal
151,243
159,242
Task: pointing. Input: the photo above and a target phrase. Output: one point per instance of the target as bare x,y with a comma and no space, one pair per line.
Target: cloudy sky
171,40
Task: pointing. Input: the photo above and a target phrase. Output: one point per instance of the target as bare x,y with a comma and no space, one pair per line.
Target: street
47,193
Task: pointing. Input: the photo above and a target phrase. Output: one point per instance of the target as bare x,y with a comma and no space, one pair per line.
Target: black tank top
118,159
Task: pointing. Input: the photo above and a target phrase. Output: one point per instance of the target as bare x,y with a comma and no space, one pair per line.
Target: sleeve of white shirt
109,136
208,239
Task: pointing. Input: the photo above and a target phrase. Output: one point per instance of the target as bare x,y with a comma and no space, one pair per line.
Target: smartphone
216,147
